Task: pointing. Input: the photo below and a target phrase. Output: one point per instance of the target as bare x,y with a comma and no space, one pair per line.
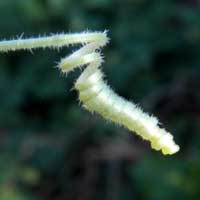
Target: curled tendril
94,93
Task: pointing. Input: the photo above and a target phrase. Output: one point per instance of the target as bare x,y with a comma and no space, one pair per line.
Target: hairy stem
57,40
94,93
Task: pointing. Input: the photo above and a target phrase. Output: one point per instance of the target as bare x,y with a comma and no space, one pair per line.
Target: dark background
52,149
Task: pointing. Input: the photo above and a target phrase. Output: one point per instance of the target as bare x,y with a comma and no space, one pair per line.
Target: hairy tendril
94,93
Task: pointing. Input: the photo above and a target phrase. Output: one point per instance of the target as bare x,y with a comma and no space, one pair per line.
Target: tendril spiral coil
94,93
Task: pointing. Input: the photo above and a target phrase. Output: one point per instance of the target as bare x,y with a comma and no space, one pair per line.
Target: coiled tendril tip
94,93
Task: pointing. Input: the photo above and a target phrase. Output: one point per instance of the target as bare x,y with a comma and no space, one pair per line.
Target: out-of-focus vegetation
52,149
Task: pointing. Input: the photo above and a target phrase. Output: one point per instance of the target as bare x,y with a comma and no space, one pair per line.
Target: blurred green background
52,149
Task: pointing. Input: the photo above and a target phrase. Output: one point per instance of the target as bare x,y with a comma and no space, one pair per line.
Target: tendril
94,93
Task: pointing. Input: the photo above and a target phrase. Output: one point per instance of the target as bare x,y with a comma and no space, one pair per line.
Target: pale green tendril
94,93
